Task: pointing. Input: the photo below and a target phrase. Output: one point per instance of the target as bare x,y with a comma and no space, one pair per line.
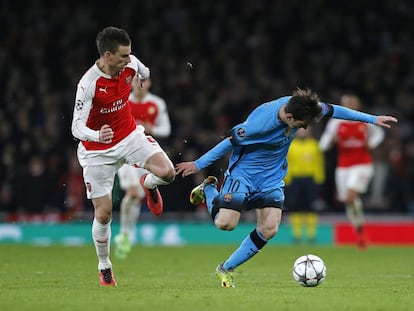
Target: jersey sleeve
375,136
344,113
329,135
83,105
214,154
162,126
326,111
143,71
261,121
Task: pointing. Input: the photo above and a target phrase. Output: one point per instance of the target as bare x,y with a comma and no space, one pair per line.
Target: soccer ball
309,270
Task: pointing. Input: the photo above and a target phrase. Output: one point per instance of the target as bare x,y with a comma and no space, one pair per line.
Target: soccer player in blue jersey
257,166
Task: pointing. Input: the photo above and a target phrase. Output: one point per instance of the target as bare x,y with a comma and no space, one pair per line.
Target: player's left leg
268,220
357,182
162,173
145,152
355,213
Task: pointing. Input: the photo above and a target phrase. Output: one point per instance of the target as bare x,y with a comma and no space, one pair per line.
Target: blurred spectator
306,173
32,189
408,177
238,60
355,165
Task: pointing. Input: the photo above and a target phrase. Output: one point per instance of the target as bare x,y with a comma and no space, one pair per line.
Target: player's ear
289,116
107,55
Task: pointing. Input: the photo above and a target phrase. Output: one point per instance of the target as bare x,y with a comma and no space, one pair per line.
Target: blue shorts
236,196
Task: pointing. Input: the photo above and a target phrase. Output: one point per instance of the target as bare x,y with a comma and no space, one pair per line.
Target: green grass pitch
182,278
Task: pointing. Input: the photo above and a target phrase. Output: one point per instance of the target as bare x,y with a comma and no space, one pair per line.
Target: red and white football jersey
353,140
151,109
102,99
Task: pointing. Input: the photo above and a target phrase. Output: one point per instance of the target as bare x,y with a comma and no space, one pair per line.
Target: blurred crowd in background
212,62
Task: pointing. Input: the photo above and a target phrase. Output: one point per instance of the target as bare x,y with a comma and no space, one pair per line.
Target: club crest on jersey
227,197
128,79
241,132
151,110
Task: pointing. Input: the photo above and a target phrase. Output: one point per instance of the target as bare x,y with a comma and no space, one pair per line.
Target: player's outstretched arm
186,168
385,120
344,113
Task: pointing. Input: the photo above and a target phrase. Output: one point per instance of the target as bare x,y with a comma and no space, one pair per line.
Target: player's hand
185,168
147,126
106,134
384,120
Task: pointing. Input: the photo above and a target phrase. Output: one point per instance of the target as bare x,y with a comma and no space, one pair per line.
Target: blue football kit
258,164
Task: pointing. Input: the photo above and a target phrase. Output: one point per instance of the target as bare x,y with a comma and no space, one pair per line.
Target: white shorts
100,166
129,176
355,177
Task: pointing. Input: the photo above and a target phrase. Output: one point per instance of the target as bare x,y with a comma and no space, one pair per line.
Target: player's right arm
215,153
83,105
143,71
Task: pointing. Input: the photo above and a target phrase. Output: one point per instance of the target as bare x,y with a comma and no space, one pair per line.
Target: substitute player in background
354,171
257,166
305,174
150,111
109,137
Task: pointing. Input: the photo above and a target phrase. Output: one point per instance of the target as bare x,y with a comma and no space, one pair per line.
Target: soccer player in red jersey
150,111
354,171
109,137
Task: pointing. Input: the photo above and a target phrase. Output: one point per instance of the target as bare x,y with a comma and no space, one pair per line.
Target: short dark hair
110,38
304,105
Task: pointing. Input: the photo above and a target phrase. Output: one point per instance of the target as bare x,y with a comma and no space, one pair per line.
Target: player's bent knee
227,220
170,176
224,226
103,217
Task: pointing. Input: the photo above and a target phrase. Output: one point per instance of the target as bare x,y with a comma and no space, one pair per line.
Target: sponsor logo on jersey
116,105
128,79
103,89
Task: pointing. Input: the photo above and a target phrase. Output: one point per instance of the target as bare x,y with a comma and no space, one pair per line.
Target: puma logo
103,89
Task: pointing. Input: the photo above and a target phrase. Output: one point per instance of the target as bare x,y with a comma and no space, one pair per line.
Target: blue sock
210,192
247,249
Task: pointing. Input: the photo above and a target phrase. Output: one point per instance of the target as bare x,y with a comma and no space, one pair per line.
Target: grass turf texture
182,278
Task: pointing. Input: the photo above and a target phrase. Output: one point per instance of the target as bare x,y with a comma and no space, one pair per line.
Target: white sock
355,213
101,235
151,181
130,211
359,212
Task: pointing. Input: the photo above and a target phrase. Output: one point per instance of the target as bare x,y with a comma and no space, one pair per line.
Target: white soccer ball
309,270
